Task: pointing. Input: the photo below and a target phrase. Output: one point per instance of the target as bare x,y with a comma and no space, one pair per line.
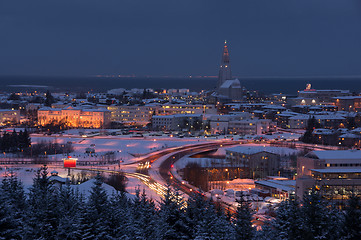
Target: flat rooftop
337,170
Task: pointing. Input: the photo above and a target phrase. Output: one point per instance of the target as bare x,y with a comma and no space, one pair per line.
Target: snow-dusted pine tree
172,217
12,206
352,222
96,215
242,222
43,214
319,219
69,222
288,222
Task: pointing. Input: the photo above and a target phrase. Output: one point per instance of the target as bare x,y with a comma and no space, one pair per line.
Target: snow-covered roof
349,135
57,179
335,154
322,131
231,83
356,130
274,107
338,170
284,185
318,117
347,97
85,188
257,149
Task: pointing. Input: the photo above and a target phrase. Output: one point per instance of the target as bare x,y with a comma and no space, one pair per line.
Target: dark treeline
14,142
49,213
48,148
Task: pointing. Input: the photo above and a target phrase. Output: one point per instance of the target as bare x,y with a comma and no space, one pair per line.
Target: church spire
225,68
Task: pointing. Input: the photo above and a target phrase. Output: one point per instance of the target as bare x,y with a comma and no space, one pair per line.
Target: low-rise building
239,123
348,103
9,116
249,126
171,109
133,115
337,184
219,123
311,96
74,117
281,189
176,122
257,162
327,121
318,166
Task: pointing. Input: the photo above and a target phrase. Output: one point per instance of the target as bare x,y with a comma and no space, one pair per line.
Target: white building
175,122
133,115
171,109
241,123
328,120
8,115
249,126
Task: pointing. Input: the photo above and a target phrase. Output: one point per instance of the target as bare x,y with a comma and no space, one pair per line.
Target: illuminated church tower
225,69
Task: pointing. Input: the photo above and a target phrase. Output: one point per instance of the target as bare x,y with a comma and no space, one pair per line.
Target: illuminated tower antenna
225,68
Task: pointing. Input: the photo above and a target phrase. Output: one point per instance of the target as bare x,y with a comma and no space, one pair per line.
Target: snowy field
126,149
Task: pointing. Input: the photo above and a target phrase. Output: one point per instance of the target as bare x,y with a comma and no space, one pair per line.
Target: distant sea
101,84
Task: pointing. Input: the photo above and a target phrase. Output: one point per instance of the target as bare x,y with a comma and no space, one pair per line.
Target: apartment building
75,117
133,115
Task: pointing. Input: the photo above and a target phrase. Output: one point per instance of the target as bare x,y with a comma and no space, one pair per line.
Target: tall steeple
225,69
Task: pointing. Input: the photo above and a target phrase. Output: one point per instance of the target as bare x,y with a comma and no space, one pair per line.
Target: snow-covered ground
125,148
27,173
221,153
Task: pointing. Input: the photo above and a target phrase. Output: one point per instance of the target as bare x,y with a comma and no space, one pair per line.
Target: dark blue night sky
179,38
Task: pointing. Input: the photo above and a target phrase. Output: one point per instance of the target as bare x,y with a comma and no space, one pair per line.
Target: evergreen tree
213,225
288,224
312,124
12,208
49,99
267,232
144,217
13,190
43,214
196,207
14,141
69,222
9,226
24,139
319,221
172,216
242,222
120,221
97,213
352,222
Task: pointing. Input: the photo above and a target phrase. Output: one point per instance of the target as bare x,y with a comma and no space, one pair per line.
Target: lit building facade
171,109
336,173
8,116
348,103
176,122
257,163
133,115
74,117
244,127
330,121
337,184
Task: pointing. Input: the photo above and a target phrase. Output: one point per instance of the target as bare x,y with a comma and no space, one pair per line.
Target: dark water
101,84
